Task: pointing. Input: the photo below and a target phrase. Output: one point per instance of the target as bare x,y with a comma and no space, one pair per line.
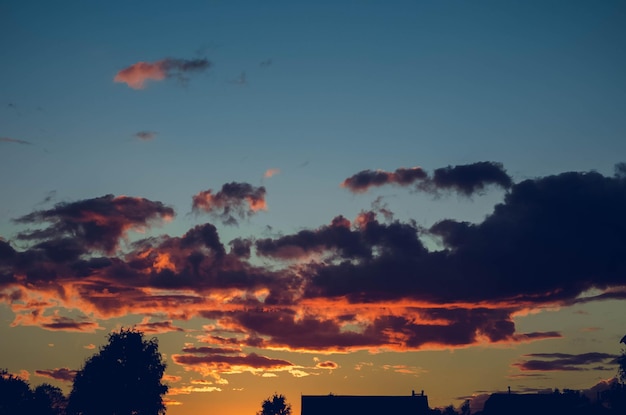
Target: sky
348,197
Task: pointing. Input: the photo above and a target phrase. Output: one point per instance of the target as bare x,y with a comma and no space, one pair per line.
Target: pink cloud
136,75
271,172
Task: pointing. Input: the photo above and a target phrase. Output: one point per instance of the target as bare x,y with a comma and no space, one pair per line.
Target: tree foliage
15,394
49,400
275,405
124,378
621,370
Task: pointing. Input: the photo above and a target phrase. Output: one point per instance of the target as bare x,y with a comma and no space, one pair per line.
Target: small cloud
327,365
14,140
548,362
234,199
64,374
297,373
171,402
145,135
404,369
136,75
271,172
364,180
172,378
157,327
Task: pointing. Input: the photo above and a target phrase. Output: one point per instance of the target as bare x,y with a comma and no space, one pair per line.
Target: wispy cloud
366,179
64,374
464,179
145,135
546,362
136,75
14,140
271,172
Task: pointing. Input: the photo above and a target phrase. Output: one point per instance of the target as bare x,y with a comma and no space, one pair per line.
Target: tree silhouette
15,394
124,378
49,400
275,405
621,370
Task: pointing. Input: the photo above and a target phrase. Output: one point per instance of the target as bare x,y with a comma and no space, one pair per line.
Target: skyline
306,199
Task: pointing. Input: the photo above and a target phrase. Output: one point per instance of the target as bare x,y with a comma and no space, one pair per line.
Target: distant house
364,405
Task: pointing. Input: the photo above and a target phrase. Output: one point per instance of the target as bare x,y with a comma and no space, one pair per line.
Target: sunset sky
356,197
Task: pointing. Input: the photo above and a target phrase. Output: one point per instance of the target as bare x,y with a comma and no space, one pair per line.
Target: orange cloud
232,201
136,75
271,172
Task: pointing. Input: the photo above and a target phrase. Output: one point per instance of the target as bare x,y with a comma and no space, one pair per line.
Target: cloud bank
369,283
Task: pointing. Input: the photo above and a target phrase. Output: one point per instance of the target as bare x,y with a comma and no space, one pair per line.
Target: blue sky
320,91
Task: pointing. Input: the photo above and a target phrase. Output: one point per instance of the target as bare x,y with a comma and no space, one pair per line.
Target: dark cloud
364,180
465,179
61,323
566,362
336,237
145,135
64,374
215,363
211,350
470,178
97,223
157,327
355,285
240,247
441,328
234,200
13,140
137,74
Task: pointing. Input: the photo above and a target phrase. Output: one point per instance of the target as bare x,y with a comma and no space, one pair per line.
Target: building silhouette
414,404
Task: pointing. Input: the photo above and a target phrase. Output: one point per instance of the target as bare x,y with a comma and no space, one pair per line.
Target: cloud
96,223
136,75
145,135
233,200
327,364
347,285
210,362
464,179
157,327
366,179
64,374
566,362
271,172
13,140
405,369
471,178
